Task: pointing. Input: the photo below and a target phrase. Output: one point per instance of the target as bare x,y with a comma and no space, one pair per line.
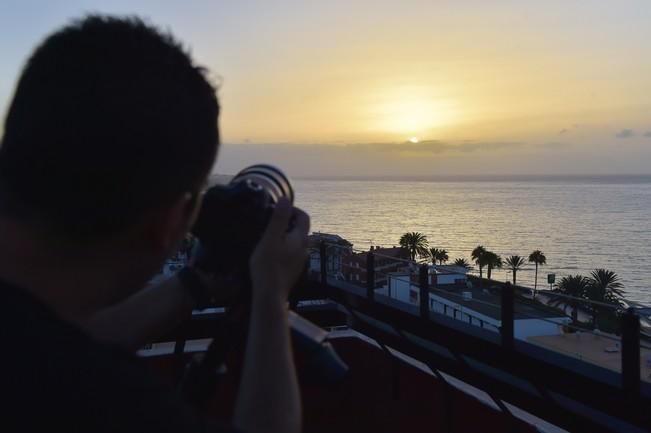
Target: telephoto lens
234,216
231,222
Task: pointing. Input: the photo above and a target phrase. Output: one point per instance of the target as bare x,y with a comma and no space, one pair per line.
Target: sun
413,140
410,111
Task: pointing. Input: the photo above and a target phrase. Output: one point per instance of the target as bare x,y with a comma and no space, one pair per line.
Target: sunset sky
396,88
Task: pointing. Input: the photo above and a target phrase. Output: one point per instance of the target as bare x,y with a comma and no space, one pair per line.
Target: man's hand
269,398
279,258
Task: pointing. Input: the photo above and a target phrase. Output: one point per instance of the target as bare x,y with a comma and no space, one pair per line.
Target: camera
233,218
230,223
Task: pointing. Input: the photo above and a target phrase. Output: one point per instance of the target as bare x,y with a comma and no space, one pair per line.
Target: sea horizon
556,178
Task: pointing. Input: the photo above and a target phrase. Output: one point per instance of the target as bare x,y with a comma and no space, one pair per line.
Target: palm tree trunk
489,272
535,283
594,316
514,277
480,272
575,312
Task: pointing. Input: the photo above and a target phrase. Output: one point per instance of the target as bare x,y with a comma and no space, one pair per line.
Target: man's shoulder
60,378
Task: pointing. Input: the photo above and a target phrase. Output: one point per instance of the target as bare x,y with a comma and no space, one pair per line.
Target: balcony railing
561,385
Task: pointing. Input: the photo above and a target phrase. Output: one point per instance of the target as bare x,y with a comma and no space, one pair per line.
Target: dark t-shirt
56,378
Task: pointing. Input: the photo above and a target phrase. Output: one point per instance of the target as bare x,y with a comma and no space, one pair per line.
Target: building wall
315,262
524,328
449,278
401,289
335,261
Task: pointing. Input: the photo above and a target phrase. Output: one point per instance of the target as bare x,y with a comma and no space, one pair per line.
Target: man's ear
168,224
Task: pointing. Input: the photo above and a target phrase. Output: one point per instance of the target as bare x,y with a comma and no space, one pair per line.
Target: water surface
579,223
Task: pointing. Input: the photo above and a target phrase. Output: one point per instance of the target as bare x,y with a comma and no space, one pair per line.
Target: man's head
110,121
108,141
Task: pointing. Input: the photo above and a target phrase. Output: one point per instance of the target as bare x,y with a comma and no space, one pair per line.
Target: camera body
230,223
233,218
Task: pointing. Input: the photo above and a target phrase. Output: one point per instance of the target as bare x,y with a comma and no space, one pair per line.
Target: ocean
580,223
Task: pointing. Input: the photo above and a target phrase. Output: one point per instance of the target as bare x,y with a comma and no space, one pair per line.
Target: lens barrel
268,178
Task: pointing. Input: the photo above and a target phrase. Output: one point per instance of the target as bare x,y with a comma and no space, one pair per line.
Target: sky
401,88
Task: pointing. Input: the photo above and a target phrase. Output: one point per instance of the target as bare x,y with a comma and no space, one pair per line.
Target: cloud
568,129
440,158
425,147
647,134
431,147
625,133
388,158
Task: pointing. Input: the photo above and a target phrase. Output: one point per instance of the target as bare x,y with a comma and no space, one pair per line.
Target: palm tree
575,286
433,254
538,258
492,261
605,287
462,263
514,263
415,243
439,255
477,255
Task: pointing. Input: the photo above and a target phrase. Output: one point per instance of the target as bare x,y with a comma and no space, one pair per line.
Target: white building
336,249
448,274
476,307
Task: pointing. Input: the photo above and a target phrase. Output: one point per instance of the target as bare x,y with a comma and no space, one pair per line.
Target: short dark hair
109,119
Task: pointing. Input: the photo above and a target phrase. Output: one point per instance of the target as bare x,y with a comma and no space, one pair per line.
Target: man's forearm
144,316
268,399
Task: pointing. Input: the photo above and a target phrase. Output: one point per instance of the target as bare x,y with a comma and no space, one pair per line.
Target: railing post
179,358
323,257
631,352
507,316
423,284
370,276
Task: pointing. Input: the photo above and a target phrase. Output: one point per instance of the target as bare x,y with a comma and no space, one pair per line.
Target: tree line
578,291
417,246
602,285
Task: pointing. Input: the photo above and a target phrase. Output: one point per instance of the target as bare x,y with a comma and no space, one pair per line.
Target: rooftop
449,269
331,238
603,350
485,302
396,252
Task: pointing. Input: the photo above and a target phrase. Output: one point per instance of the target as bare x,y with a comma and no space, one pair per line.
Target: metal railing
629,319
456,347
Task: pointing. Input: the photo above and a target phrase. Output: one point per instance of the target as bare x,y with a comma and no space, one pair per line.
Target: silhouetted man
107,145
